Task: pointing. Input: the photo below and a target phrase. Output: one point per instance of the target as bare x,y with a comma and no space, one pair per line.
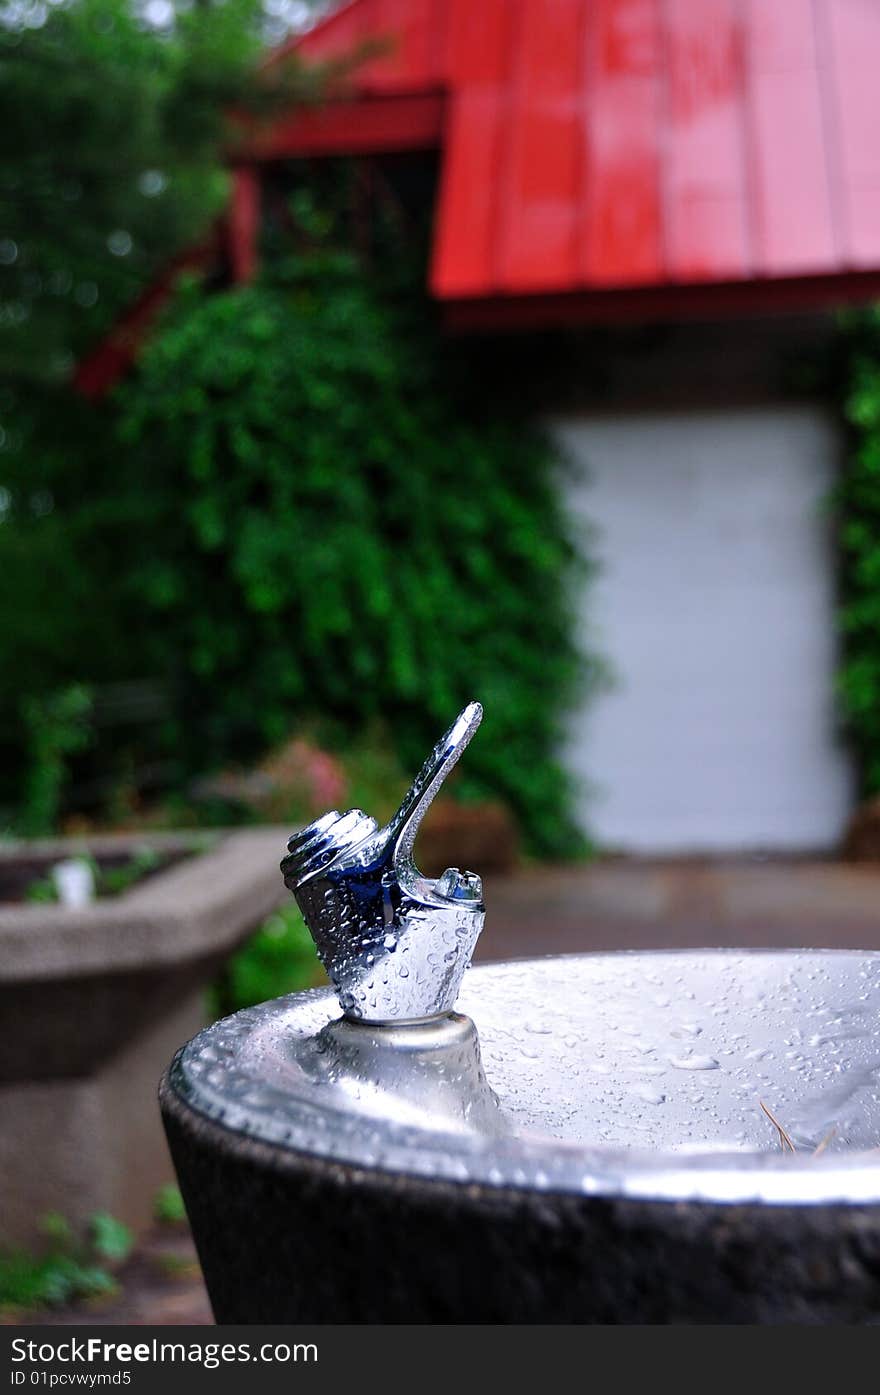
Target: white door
715,609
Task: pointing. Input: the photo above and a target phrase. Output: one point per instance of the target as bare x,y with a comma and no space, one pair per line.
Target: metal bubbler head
394,943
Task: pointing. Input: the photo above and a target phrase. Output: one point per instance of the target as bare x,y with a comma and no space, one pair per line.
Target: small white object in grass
74,882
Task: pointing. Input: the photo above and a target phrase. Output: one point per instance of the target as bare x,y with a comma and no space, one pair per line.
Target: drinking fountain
638,1137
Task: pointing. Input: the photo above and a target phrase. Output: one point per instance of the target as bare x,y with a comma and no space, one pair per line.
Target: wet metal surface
656,1075
395,944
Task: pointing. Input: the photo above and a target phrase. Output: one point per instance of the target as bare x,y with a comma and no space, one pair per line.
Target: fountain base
637,1138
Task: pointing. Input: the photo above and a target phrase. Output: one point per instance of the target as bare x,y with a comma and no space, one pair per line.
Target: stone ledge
94,1002
200,906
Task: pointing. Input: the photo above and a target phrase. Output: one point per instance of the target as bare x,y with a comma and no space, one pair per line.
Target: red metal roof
609,145
601,158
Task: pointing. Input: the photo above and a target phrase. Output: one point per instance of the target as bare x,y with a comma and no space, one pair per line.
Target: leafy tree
113,143
113,136
303,504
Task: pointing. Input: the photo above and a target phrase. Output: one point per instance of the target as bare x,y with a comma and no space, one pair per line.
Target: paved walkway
614,904
680,904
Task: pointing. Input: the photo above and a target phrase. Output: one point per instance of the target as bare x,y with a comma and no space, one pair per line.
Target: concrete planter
94,1002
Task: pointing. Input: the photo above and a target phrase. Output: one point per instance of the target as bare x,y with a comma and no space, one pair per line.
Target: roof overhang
370,124
638,304
603,160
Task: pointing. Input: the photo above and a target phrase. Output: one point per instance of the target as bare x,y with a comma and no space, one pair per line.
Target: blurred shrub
57,727
111,1239
114,139
114,134
68,1269
306,506
334,525
858,513
279,959
168,1207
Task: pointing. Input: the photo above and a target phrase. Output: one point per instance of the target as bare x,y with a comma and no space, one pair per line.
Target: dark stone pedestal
288,1238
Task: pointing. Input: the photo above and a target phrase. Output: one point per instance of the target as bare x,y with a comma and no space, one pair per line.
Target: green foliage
98,180
858,514
168,1207
42,890
347,530
307,506
108,881
112,136
27,1282
63,622
56,728
113,881
111,1240
68,1269
376,779
279,959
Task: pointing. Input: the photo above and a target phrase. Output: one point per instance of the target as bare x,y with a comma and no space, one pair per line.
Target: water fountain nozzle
394,943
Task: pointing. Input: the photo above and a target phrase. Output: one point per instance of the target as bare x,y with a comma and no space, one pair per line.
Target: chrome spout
395,944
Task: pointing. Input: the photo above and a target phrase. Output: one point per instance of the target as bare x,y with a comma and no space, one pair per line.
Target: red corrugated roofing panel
479,45
594,144
598,144
603,158
788,155
619,214
410,36
704,166
537,182
339,34
852,28
480,37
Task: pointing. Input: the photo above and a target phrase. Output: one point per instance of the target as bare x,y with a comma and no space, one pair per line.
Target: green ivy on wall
306,505
858,511
337,525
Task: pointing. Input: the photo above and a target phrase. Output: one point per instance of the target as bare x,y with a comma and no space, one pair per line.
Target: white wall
715,608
